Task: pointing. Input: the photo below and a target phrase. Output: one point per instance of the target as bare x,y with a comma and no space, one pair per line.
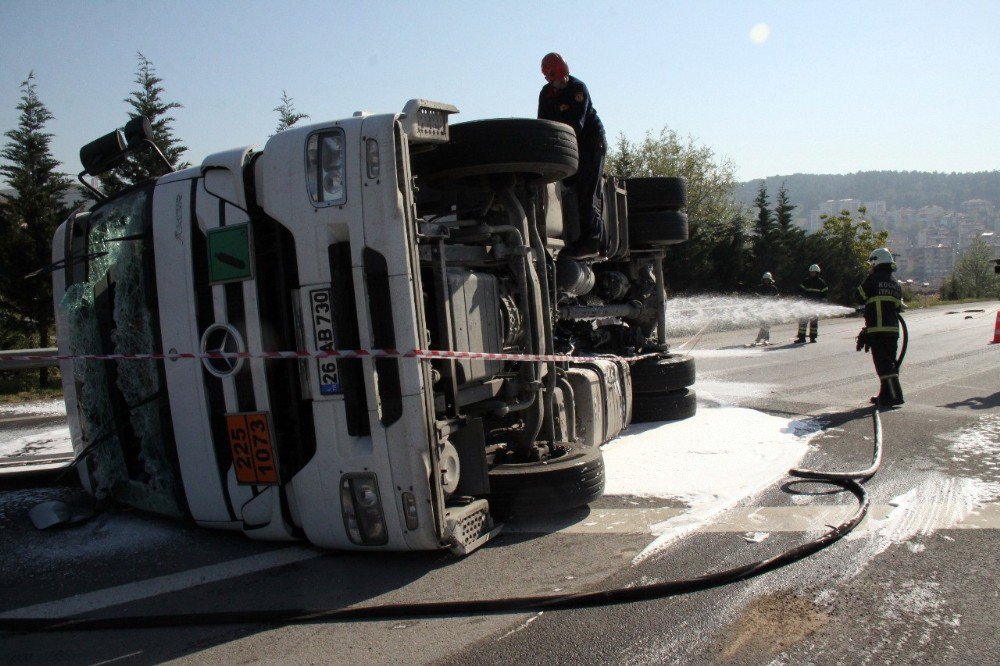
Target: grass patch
22,386
32,395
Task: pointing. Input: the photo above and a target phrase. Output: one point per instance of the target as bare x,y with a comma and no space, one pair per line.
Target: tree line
42,197
899,189
732,245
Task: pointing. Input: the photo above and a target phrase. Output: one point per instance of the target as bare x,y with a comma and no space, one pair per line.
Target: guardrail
7,364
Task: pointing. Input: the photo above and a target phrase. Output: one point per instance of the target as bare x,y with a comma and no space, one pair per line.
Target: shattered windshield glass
111,312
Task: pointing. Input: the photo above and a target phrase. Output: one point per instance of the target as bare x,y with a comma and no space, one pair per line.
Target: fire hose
849,481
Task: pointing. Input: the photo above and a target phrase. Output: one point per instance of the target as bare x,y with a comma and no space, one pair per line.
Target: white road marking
643,521
144,589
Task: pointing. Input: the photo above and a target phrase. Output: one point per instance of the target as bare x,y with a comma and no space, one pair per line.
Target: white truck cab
200,306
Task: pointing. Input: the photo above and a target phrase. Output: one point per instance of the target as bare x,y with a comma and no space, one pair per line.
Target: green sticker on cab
229,254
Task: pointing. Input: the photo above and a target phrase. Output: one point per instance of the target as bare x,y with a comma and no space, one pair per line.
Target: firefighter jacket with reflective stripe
883,299
814,287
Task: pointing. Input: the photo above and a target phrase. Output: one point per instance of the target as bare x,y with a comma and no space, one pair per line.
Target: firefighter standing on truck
883,299
566,99
813,288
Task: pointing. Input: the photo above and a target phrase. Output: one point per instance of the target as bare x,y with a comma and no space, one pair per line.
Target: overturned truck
363,335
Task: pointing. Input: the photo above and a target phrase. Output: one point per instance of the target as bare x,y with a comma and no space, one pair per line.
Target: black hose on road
850,481
467,607
455,608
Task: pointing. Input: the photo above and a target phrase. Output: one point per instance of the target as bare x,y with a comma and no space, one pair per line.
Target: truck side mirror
104,154
137,131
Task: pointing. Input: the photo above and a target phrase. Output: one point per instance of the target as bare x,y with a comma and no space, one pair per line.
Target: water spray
697,314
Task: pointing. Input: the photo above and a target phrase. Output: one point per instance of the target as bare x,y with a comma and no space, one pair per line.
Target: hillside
899,189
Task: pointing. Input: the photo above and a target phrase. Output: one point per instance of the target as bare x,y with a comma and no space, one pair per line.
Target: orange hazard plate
253,454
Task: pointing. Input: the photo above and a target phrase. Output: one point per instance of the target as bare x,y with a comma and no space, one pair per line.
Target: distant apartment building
933,263
983,212
980,209
968,231
933,235
927,241
875,211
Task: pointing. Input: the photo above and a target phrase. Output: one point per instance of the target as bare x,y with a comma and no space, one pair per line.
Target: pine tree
147,101
29,220
765,218
765,250
783,212
788,243
287,115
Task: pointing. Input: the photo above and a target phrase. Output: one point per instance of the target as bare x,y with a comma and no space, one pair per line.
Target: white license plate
321,305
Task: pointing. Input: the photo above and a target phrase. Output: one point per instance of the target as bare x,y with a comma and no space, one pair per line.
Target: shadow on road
987,402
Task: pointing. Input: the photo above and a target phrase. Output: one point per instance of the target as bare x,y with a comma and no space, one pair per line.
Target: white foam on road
980,441
48,441
33,408
710,462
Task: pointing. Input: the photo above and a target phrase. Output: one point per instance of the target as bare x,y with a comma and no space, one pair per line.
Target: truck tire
538,151
653,229
656,193
666,406
572,480
667,373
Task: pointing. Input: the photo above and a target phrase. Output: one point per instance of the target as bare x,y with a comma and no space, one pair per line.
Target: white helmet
814,268
767,276
881,256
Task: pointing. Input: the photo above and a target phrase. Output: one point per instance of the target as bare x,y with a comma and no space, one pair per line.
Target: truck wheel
667,373
539,151
666,227
656,193
667,406
572,480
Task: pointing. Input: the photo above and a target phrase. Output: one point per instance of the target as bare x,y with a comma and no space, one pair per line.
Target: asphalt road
916,582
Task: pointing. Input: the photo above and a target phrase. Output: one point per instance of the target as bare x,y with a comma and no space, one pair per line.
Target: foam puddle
710,462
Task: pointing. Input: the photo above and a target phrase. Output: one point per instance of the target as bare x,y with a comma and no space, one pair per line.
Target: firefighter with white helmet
766,289
813,288
883,299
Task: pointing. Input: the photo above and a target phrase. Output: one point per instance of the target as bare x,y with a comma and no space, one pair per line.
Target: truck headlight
326,168
362,508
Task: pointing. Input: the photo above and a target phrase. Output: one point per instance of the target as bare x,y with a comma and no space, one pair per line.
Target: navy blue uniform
883,299
571,105
813,288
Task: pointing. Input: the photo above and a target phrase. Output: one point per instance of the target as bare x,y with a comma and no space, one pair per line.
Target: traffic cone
996,330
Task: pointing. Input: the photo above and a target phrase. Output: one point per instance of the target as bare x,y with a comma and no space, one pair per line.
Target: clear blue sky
824,87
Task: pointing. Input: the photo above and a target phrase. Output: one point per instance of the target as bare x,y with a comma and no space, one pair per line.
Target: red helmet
554,67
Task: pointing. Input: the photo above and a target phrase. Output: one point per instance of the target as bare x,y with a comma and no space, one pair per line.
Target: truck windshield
113,312
113,225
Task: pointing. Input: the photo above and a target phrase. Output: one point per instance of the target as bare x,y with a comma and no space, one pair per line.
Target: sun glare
759,33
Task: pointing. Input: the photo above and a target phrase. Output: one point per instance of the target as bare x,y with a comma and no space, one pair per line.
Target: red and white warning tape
330,353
